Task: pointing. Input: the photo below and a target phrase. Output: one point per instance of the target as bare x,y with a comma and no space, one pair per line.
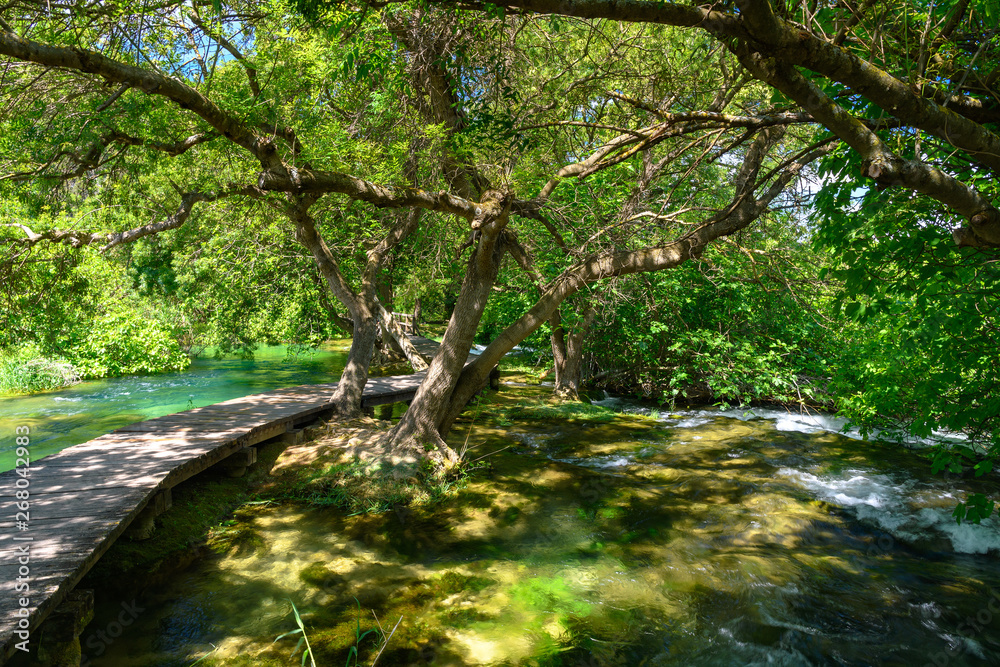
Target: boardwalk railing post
59,639
406,322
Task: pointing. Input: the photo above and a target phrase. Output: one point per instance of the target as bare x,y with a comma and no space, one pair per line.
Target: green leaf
288,634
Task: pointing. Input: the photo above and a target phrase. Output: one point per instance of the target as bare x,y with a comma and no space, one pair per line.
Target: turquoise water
60,419
702,538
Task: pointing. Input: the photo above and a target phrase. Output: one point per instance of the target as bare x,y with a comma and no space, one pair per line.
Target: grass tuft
365,487
24,370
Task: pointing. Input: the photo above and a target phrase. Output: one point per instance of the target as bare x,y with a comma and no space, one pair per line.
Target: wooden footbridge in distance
86,496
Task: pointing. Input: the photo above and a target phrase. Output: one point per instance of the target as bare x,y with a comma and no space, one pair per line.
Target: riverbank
66,417
25,370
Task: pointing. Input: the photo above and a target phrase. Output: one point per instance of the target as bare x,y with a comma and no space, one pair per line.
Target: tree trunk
347,396
476,375
567,353
419,425
363,307
745,209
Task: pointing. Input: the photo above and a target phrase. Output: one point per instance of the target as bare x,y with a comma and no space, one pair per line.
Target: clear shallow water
696,539
59,419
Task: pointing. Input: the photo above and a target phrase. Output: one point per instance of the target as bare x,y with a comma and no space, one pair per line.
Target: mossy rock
241,542
462,617
319,575
456,582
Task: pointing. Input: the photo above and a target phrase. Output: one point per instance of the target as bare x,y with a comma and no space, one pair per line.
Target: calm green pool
59,419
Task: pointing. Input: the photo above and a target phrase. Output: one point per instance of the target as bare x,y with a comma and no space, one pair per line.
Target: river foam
908,510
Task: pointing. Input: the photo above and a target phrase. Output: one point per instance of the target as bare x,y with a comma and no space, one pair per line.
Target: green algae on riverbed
595,542
197,518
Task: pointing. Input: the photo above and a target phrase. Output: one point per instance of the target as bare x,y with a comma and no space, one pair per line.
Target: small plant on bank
303,640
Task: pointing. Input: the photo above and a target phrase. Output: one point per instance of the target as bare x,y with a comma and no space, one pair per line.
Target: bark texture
746,207
567,352
419,426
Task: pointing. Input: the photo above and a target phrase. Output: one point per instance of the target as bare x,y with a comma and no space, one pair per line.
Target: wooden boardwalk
86,496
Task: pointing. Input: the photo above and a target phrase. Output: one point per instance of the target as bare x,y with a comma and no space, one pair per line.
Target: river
697,538
65,417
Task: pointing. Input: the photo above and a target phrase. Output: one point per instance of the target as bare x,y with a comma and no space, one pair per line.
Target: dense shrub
124,343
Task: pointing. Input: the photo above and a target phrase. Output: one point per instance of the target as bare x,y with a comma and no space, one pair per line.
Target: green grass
25,369
567,410
360,487
523,364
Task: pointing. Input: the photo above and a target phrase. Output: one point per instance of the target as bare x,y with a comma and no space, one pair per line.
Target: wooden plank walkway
86,496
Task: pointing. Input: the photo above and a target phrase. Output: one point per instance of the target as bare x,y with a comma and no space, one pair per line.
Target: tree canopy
561,147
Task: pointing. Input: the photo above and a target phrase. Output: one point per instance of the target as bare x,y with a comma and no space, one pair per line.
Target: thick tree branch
781,39
879,161
151,83
744,209
444,106
406,226
785,42
304,181
305,231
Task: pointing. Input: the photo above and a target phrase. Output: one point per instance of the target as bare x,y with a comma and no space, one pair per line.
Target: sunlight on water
701,539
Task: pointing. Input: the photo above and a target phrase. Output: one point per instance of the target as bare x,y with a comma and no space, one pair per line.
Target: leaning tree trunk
476,375
419,424
745,209
363,306
347,395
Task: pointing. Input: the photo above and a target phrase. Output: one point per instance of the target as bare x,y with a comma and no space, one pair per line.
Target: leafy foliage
927,315
25,369
126,343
